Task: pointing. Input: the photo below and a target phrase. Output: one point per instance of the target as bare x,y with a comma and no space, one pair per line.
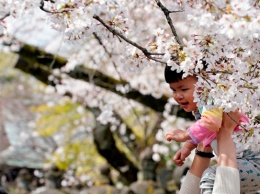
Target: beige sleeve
190,185
227,181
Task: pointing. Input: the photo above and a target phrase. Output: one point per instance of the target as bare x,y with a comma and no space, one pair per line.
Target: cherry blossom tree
133,41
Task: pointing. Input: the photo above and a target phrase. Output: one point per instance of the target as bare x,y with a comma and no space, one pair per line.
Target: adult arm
227,179
226,146
193,176
227,176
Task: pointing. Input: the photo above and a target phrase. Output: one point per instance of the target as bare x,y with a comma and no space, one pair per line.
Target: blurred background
51,143
87,128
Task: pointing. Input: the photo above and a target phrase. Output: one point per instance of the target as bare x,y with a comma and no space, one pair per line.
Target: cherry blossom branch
215,72
169,20
116,33
5,16
237,122
253,71
30,63
53,12
120,77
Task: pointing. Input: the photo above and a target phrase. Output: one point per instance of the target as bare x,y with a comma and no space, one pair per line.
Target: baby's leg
249,171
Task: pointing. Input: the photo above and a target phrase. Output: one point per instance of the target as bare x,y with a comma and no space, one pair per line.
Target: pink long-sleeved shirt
205,129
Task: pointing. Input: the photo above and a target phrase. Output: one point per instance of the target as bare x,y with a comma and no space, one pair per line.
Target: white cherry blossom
139,41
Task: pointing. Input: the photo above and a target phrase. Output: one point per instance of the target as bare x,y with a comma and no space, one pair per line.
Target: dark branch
169,20
116,33
36,62
39,67
53,12
5,16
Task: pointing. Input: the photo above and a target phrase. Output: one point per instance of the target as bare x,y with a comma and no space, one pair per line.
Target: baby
204,130
208,121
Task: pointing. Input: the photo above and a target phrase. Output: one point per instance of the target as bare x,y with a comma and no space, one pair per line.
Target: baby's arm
183,153
177,135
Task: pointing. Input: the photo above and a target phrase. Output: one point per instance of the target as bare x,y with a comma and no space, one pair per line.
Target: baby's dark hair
172,76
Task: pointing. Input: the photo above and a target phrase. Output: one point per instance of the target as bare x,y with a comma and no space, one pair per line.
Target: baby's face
183,93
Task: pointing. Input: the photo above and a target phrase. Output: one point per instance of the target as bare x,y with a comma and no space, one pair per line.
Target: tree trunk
106,147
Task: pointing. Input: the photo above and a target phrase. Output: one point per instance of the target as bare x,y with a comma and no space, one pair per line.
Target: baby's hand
181,155
177,135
